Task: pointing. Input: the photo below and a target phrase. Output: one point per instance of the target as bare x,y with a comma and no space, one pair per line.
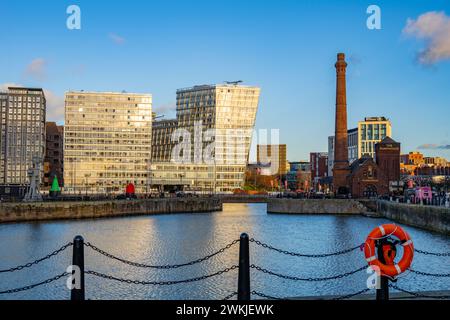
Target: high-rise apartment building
107,141
22,137
219,121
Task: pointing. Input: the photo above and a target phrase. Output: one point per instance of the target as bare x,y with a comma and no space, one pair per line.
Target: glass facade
228,112
107,141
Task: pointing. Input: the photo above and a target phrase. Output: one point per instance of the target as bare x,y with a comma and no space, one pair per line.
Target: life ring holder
391,271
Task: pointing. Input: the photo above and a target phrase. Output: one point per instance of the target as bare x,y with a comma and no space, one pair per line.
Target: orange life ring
383,231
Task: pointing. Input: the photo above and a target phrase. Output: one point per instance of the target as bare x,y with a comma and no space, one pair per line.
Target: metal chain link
348,296
160,283
174,266
28,265
418,295
307,279
439,275
321,255
231,295
263,295
439,254
31,286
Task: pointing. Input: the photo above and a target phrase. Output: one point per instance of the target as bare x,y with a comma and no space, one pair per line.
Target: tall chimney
341,166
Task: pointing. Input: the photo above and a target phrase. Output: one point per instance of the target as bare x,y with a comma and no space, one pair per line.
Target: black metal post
78,260
382,293
244,269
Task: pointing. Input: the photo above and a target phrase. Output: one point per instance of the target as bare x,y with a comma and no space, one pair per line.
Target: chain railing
161,283
296,254
37,261
417,295
31,286
438,254
310,279
244,267
174,266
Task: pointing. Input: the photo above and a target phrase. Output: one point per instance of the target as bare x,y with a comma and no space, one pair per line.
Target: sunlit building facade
22,137
219,119
107,141
162,144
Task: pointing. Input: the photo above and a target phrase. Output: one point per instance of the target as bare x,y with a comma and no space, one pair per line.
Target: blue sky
288,48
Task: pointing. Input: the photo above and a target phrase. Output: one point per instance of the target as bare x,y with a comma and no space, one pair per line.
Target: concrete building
107,141
22,137
214,128
274,154
54,154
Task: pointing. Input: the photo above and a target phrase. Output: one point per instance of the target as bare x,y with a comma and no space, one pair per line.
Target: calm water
170,239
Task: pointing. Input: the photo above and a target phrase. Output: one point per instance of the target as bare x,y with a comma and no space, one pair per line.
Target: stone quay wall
38,211
316,206
431,218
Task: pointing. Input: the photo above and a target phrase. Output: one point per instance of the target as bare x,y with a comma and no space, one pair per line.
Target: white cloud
55,106
5,86
433,146
434,28
37,69
116,38
165,108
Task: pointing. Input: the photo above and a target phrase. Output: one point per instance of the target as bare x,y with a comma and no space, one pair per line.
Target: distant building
299,175
22,137
435,161
362,139
319,168
54,154
107,141
410,162
275,154
413,158
259,169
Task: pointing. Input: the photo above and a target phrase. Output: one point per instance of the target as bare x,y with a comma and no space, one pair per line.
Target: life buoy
383,231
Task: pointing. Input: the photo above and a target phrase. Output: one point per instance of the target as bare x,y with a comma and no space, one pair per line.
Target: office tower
219,121
107,141
22,138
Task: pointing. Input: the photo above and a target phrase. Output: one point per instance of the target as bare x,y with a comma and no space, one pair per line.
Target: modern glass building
219,121
22,137
107,141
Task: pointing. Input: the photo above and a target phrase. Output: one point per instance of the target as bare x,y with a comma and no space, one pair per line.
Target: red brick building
369,178
319,168
54,154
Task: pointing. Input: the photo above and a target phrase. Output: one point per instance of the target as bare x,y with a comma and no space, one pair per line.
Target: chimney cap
341,56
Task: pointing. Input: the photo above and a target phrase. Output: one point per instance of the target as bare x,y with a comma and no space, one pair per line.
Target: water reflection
173,239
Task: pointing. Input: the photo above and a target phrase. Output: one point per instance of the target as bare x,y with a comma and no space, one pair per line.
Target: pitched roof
387,140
